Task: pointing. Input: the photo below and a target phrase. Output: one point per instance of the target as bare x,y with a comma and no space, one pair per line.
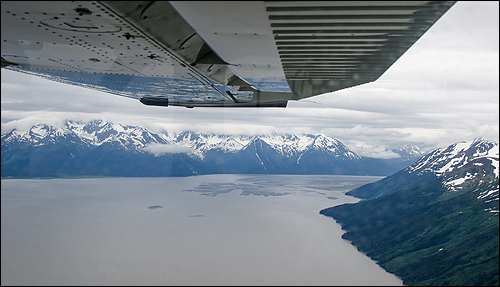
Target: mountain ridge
435,222
431,166
194,153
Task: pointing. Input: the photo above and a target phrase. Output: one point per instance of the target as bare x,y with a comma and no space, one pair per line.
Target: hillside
439,231
429,167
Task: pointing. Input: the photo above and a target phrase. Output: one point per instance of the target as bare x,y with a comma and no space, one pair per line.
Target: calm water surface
202,230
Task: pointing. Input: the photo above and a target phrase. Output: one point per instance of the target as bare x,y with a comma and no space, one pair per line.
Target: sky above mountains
444,89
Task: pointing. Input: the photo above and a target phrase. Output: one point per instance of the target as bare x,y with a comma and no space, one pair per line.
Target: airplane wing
212,53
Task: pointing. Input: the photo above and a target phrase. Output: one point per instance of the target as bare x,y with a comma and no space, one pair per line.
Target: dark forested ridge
444,231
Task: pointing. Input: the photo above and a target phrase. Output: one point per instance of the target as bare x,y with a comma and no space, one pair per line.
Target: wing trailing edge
212,54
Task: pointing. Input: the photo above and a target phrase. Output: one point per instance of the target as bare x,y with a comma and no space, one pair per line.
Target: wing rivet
83,11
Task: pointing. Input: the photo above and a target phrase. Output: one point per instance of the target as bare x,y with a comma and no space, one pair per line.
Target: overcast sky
443,90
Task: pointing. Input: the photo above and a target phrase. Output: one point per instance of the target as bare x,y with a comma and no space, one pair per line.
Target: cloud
161,149
444,89
374,152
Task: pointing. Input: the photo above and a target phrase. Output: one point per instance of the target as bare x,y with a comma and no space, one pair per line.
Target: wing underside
206,53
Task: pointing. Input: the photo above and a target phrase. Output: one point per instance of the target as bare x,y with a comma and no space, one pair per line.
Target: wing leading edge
205,53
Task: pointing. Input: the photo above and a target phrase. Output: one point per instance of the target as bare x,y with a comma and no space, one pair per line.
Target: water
203,230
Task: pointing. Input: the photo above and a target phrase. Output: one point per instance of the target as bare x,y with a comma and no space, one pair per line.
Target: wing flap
322,46
201,53
329,46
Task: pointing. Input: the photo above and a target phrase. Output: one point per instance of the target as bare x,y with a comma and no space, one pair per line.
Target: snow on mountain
288,145
100,132
470,166
408,152
200,144
440,210
457,155
100,147
230,144
461,166
333,147
140,139
37,135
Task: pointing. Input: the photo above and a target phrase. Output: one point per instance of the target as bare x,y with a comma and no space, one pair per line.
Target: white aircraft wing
212,53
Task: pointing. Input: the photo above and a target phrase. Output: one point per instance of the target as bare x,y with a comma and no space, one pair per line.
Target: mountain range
435,222
100,148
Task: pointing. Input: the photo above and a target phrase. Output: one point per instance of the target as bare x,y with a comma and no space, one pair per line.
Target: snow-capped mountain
457,166
102,147
457,155
94,133
435,219
409,152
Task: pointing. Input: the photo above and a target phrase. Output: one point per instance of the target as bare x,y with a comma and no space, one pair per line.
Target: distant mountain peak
229,144
409,151
447,159
333,147
201,153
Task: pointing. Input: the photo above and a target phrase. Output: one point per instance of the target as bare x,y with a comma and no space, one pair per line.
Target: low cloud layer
161,149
